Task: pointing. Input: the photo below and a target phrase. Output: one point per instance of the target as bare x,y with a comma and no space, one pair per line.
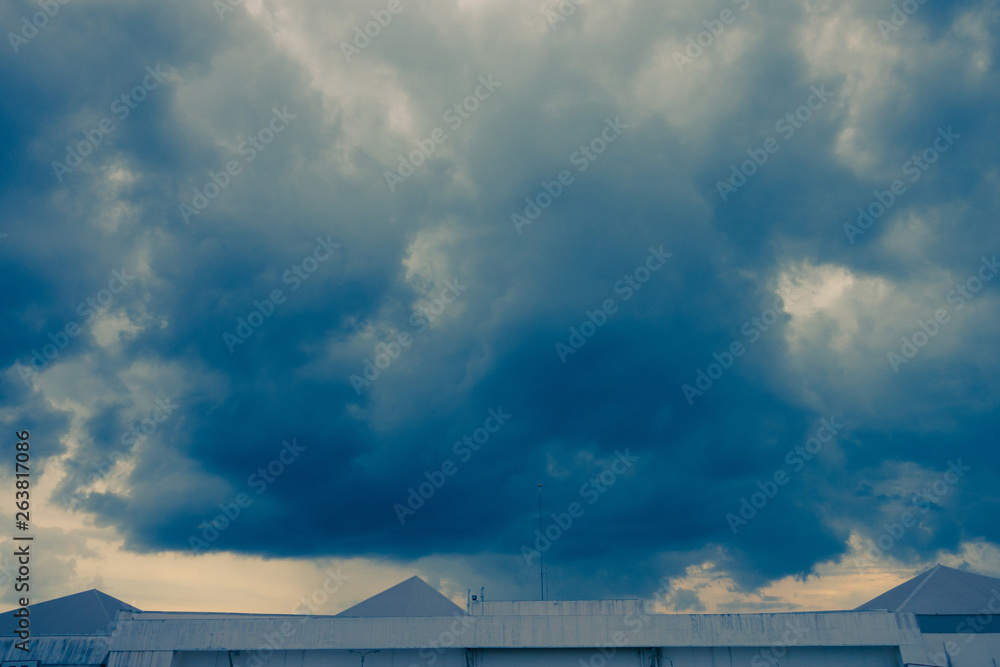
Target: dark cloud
515,293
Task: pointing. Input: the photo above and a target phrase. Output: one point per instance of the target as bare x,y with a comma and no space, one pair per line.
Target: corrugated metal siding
140,658
81,650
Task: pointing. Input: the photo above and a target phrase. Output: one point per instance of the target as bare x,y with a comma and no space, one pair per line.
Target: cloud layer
353,279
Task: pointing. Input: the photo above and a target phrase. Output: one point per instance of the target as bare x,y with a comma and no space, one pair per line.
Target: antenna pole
541,556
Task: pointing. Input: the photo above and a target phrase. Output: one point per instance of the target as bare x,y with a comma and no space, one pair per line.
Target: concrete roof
413,597
88,613
555,607
939,590
147,631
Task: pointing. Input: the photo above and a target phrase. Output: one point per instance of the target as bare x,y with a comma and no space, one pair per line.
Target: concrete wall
206,632
555,607
865,639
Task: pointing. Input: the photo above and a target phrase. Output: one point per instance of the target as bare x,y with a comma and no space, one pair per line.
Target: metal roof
413,597
88,613
939,590
58,650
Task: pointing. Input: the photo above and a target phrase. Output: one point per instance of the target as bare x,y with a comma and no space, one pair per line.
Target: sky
303,298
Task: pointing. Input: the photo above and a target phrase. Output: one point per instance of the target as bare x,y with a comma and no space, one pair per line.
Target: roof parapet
555,607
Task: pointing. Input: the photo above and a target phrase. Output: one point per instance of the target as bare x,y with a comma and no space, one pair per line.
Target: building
72,631
943,617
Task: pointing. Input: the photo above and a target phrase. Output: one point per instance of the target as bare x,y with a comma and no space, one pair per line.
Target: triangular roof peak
87,613
413,597
939,590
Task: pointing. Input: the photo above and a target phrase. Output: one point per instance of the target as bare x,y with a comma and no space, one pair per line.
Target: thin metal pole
541,556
